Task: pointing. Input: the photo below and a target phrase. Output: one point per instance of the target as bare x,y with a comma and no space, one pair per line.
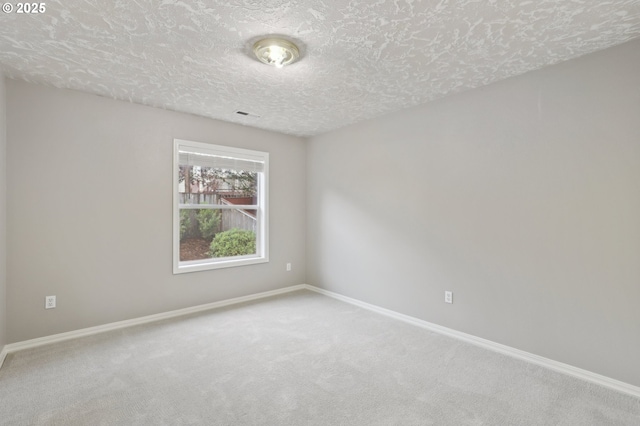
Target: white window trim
262,214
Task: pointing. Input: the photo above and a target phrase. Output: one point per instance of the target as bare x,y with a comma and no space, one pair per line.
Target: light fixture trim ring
276,51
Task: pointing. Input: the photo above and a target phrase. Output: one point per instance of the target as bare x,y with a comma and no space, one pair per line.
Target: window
219,206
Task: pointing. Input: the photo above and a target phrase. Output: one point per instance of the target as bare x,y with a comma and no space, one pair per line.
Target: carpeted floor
296,359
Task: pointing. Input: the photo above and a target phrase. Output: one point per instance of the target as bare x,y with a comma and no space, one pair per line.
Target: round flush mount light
276,51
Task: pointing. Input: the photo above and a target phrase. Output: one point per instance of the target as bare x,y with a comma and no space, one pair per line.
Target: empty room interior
297,212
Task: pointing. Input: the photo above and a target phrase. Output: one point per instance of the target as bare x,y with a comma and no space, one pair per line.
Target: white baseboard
3,355
496,347
487,344
32,343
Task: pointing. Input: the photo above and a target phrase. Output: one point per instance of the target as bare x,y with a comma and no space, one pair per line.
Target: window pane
206,185
221,160
220,210
212,233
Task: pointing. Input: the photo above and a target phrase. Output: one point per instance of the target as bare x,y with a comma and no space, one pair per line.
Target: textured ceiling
360,58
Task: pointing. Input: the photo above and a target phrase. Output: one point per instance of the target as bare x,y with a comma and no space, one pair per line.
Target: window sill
207,264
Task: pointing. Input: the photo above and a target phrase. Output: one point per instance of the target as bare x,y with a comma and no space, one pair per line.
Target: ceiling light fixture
276,51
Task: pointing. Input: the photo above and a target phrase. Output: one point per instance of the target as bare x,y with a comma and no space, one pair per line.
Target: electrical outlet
448,297
49,302
288,267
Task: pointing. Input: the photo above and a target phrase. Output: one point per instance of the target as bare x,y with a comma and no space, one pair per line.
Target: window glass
220,206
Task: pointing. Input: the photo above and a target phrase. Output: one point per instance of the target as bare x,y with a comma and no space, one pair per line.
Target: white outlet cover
49,302
448,297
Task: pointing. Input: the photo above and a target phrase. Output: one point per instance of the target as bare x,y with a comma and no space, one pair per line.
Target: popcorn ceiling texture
360,59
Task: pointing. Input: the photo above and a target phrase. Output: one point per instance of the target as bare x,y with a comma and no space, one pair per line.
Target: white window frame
262,213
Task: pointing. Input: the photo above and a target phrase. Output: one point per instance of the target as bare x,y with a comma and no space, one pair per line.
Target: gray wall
523,198
3,215
89,211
